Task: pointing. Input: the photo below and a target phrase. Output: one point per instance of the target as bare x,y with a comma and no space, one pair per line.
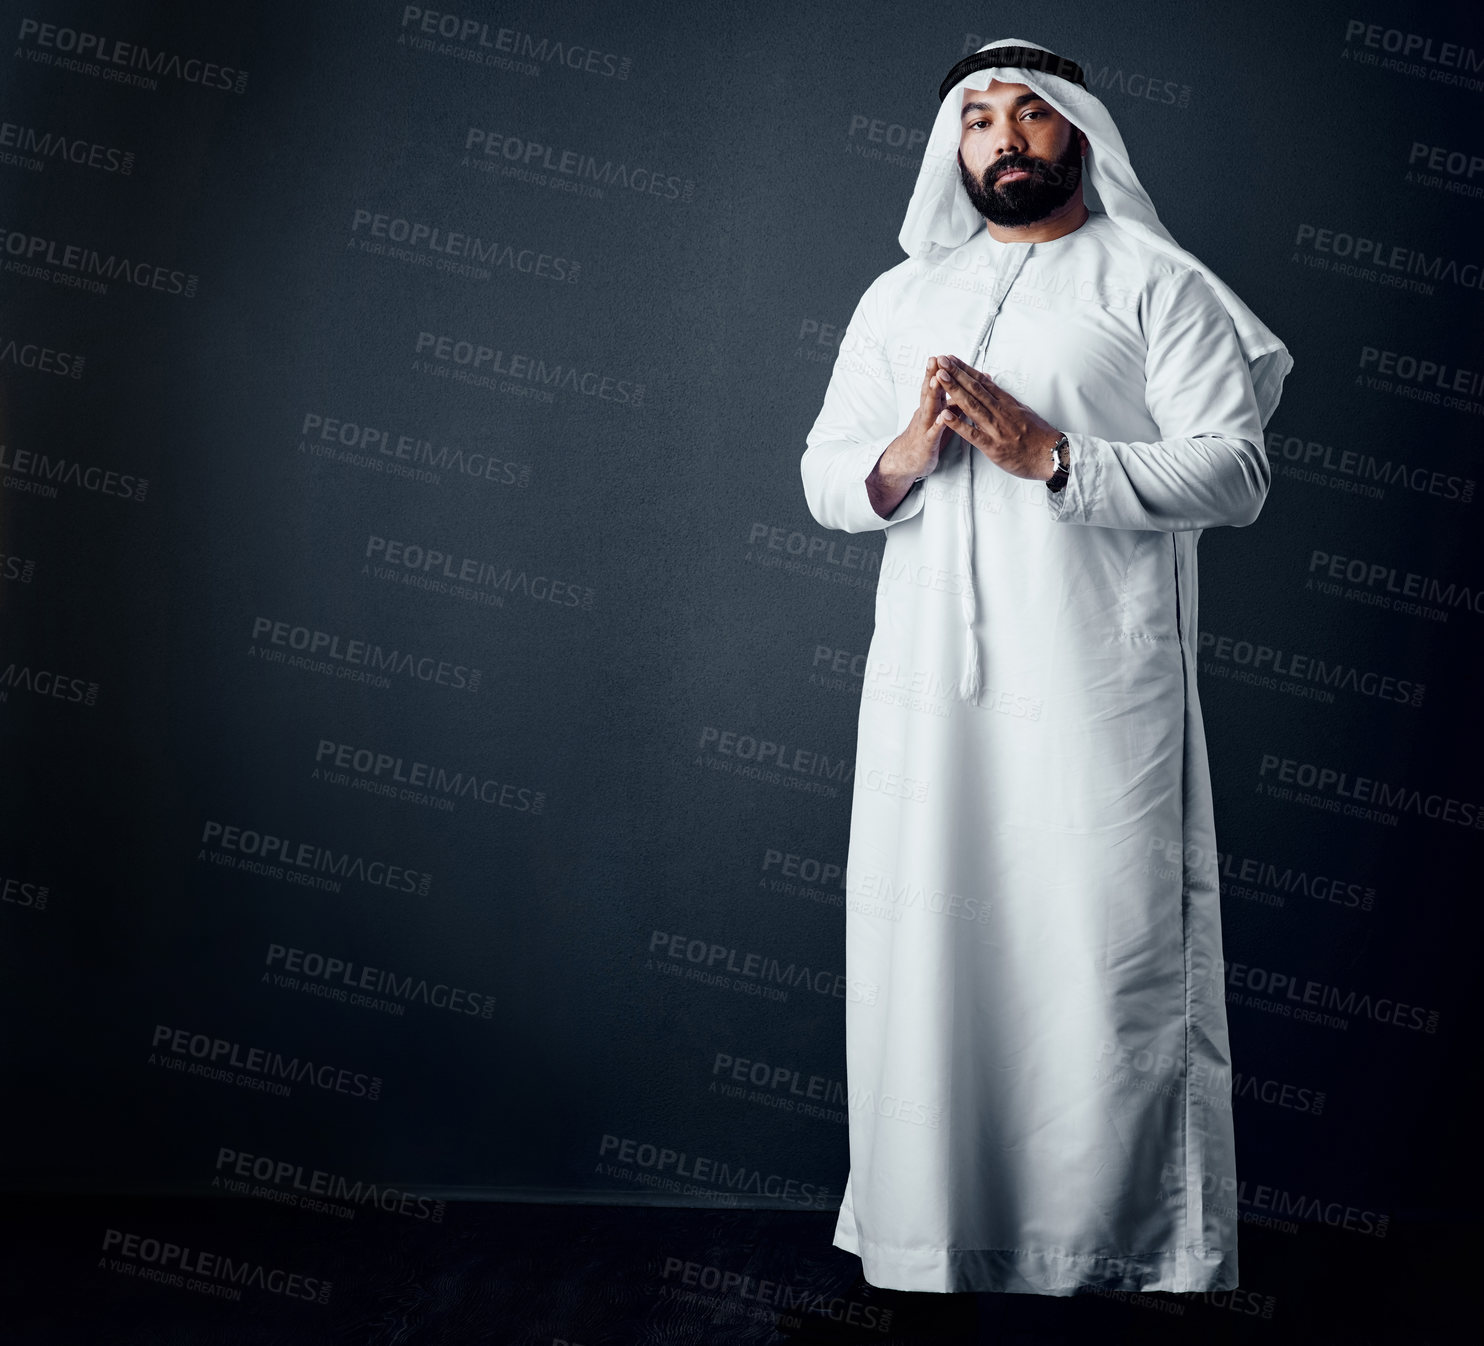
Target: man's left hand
999,425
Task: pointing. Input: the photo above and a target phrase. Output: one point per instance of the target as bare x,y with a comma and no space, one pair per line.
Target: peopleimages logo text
1388,257
223,1052
1385,580
1335,784
90,264
473,34
82,46
323,646
271,849
472,358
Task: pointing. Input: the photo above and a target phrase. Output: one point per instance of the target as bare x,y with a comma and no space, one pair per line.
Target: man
1041,408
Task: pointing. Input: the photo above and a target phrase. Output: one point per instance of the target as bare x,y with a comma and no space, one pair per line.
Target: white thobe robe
1039,1068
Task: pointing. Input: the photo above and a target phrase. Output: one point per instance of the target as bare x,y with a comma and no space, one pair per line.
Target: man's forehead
998,94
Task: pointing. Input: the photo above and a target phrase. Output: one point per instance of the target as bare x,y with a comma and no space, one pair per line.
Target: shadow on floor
219,1271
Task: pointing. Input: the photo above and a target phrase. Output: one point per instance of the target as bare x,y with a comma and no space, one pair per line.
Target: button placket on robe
970,683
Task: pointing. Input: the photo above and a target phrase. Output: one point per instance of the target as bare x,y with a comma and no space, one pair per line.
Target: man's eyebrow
989,107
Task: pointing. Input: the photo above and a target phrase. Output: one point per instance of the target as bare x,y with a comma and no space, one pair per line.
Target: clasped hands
959,398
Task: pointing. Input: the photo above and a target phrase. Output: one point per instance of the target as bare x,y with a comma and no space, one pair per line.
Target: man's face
1019,158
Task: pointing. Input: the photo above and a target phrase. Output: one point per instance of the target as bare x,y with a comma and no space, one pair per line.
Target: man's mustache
1040,168
1011,163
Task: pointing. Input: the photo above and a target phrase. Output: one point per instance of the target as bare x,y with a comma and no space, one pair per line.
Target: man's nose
1009,141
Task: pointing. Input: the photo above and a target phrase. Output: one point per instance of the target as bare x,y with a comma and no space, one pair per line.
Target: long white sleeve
1208,466
858,420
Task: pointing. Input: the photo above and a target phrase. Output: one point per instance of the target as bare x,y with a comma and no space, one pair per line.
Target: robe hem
1190,1270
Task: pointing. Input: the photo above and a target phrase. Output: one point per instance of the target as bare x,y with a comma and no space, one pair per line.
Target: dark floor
544,1275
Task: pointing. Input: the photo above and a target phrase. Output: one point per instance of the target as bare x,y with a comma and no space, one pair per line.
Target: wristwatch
1061,462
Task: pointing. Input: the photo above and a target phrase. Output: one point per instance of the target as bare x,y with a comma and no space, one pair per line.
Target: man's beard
1026,200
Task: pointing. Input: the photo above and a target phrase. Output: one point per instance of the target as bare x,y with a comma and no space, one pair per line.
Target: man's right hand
913,453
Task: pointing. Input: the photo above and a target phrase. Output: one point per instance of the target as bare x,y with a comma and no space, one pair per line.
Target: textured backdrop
428,704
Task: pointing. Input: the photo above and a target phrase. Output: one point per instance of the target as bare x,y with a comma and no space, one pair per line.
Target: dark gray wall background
720,294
